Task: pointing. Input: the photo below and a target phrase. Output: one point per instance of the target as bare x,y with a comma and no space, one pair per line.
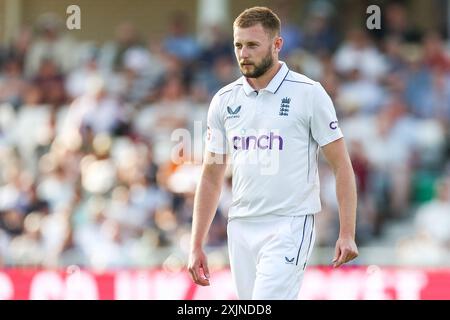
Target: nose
244,53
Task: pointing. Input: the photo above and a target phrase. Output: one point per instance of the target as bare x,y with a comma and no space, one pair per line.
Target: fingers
202,279
206,270
194,273
340,261
199,272
344,254
337,254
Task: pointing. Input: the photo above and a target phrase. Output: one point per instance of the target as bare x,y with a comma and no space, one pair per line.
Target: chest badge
233,113
284,108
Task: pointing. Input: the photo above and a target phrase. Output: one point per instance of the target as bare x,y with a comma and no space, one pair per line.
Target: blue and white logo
289,261
284,108
232,114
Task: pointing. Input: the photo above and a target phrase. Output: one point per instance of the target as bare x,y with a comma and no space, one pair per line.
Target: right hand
345,251
197,262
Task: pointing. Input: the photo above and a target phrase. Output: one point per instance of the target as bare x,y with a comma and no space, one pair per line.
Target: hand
197,261
345,251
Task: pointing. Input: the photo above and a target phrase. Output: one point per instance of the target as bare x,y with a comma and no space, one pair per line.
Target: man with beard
270,124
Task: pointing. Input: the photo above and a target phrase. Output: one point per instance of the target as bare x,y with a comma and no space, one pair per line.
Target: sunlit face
255,50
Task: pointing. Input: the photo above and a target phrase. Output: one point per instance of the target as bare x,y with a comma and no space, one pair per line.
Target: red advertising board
322,283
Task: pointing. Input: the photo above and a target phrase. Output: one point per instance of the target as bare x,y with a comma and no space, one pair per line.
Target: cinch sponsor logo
258,142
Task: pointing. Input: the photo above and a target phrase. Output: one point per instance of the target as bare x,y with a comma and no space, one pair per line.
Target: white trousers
268,255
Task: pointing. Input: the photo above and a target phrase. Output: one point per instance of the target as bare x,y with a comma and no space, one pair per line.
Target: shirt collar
273,85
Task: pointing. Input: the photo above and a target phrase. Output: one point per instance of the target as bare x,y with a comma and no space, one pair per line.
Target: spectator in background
439,96
434,55
430,243
69,253
219,73
30,201
394,55
50,81
140,74
392,169
12,84
396,23
51,44
320,36
18,48
179,42
428,84
112,53
26,248
364,94
358,52
433,218
437,61
389,177
99,172
68,138
217,46
290,31
157,121
12,222
56,188
77,81
97,109
31,127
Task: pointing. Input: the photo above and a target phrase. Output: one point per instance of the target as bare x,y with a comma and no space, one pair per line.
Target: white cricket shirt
273,138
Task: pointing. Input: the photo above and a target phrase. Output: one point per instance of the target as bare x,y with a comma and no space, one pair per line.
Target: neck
263,81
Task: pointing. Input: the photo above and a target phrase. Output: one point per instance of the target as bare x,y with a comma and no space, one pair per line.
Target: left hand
345,251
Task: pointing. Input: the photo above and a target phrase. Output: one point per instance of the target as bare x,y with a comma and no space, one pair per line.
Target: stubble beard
259,69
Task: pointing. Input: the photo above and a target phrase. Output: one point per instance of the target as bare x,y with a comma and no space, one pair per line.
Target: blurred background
87,180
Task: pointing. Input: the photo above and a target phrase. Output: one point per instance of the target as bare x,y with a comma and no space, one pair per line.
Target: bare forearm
205,206
347,198
339,159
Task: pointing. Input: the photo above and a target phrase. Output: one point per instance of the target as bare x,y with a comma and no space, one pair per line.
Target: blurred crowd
87,175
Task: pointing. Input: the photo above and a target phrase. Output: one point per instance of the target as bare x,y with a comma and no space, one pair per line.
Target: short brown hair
252,16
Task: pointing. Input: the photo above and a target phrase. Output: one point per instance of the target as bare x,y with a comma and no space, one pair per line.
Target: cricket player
270,125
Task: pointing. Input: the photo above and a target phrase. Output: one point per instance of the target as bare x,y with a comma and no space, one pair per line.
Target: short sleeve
215,136
324,123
